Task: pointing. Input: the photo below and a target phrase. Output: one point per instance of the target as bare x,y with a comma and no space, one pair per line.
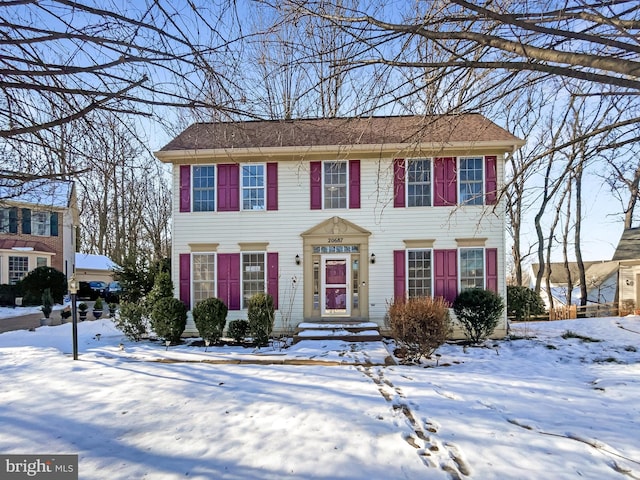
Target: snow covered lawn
542,407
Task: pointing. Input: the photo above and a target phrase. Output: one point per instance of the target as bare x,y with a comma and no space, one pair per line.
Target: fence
565,312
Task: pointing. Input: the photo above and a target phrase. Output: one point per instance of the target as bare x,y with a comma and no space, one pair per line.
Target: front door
336,278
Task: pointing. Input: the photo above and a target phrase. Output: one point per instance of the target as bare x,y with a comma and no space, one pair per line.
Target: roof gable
629,245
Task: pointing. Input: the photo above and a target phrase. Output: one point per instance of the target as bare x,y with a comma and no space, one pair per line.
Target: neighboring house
336,217
601,278
38,223
628,255
94,268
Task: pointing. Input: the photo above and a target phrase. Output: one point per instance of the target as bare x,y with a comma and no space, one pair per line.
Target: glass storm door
336,278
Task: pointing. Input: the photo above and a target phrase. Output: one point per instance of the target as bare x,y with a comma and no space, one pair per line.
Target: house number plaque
334,240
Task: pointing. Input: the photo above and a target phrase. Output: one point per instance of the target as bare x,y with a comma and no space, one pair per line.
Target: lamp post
73,290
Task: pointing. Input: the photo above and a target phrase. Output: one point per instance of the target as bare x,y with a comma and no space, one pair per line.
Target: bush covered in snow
169,318
261,317
238,330
210,317
131,320
419,326
478,312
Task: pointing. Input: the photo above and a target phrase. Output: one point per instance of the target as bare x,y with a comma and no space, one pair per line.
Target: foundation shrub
131,320
419,326
169,318
261,317
238,330
210,317
478,312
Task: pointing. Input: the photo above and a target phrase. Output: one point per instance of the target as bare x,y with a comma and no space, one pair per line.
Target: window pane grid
471,181
253,276
419,183
18,268
203,276
40,223
419,273
4,220
335,185
471,268
253,187
204,199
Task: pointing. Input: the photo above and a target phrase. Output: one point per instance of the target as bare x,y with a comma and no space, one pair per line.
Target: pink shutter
185,188
490,180
491,269
272,186
315,178
445,182
354,183
185,279
398,183
446,274
228,188
229,279
272,277
399,275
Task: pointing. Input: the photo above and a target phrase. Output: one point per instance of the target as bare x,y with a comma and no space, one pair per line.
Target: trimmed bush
238,330
419,326
37,280
261,317
210,317
478,312
169,318
131,320
523,301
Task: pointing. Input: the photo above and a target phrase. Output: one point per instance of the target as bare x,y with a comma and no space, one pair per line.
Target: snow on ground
543,406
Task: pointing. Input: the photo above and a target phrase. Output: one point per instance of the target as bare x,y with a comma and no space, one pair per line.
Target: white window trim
242,187
484,266
482,183
264,271
406,181
215,188
347,193
47,223
191,276
406,267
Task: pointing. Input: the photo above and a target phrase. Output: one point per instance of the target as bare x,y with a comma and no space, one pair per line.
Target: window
471,181
253,187
419,273
4,220
204,190
18,268
419,183
41,262
41,223
204,276
471,268
253,276
335,184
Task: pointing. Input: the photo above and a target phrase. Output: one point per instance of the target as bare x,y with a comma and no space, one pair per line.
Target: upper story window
4,220
253,187
335,184
471,268
41,223
204,188
419,182
419,273
471,181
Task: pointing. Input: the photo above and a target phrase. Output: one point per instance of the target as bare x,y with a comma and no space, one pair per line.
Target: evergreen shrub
132,321
478,312
37,280
169,318
210,317
523,301
261,317
238,330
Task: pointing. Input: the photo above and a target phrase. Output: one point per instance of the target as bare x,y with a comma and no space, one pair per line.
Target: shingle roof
24,245
595,272
44,192
340,131
629,245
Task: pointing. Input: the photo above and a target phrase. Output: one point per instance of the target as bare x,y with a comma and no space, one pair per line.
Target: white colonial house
336,217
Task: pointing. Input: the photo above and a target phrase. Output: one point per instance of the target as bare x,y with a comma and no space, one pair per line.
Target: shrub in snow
39,279
169,318
523,301
131,320
478,312
261,317
162,288
419,326
238,330
210,317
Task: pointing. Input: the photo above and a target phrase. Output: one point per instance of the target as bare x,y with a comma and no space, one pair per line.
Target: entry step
345,330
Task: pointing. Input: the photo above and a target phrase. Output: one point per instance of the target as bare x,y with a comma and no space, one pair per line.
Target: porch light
297,259
372,258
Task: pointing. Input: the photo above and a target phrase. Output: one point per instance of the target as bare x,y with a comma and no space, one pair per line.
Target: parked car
112,292
85,292
99,287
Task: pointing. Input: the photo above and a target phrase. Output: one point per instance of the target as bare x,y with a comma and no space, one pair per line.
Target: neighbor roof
596,272
88,261
43,192
340,131
629,245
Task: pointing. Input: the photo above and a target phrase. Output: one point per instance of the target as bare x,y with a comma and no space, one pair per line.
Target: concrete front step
348,331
